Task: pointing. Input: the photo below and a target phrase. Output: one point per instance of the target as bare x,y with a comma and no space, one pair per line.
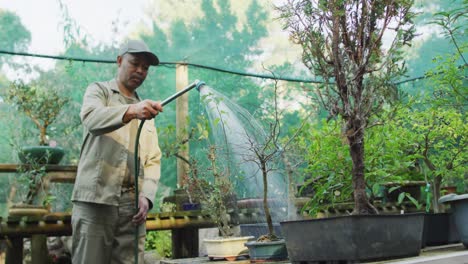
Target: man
103,216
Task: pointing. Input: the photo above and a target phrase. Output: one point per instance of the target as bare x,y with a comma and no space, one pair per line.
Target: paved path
448,254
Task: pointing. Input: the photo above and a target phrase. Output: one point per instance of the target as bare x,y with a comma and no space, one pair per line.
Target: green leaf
401,196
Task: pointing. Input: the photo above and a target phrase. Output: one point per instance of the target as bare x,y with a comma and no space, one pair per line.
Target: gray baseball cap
138,46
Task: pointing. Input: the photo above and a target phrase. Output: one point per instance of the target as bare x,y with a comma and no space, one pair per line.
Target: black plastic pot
459,205
439,229
354,238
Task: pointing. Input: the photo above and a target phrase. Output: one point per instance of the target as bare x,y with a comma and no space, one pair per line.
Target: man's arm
97,117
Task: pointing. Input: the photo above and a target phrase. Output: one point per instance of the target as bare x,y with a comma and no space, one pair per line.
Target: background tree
436,118
343,41
15,36
232,44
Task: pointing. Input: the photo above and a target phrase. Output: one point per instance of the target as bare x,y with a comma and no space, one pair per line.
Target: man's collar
115,88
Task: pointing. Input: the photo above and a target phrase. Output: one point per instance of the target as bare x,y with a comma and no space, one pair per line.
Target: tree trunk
265,201
43,136
436,189
355,135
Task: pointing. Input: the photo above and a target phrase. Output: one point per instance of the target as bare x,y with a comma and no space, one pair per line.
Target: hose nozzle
199,85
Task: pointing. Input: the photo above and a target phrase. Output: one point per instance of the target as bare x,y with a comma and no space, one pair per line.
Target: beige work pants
105,234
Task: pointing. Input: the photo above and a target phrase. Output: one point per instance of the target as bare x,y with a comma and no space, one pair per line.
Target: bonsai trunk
436,189
43,138
437,179
266,208
355,135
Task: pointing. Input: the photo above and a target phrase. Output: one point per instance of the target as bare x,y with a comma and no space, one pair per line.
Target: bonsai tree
207,182
342,41
247,142
214,191
40,104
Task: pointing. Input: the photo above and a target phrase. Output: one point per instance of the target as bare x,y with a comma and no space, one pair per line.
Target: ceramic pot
226,247
41,154
266,251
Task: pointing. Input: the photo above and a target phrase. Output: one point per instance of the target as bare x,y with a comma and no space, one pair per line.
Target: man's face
133,68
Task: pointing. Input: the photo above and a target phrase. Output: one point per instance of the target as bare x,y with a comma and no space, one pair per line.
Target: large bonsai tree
40,104
343,41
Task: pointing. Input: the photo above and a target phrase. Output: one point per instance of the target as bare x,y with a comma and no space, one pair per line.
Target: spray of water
236,133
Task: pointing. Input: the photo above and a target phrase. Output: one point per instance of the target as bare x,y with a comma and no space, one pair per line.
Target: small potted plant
250,150
41,105
215,193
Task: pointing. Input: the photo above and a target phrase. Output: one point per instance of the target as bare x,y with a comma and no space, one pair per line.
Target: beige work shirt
107,153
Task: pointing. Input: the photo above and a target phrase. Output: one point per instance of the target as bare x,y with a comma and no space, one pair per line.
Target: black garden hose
196,84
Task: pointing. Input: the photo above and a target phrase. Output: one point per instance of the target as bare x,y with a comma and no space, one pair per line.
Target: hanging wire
168,64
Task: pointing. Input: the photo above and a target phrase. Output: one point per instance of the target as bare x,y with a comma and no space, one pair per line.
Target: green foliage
160,241
437,120
329,166
389,157
30,183
15,37
211,186
342,41
168,207
41,104
405,196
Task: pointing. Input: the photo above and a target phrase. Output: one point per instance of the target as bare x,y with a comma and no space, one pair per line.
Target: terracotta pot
448,189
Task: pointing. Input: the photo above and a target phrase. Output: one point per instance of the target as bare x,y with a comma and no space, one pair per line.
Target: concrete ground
447,254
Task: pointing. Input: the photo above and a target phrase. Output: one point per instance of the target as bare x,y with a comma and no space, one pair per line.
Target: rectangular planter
354,238
439,229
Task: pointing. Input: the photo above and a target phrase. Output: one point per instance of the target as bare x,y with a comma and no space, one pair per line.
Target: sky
97,19
43,18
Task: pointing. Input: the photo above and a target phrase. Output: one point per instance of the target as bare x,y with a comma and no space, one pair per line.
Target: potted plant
41,105
342,43
250,149
438,123
32,187
215,193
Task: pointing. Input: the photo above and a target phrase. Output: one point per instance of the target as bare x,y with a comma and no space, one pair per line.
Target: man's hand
143,207
143,110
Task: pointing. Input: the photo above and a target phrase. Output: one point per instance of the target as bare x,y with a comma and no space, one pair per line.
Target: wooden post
14,251
39,251
181,121
185,240
184,243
